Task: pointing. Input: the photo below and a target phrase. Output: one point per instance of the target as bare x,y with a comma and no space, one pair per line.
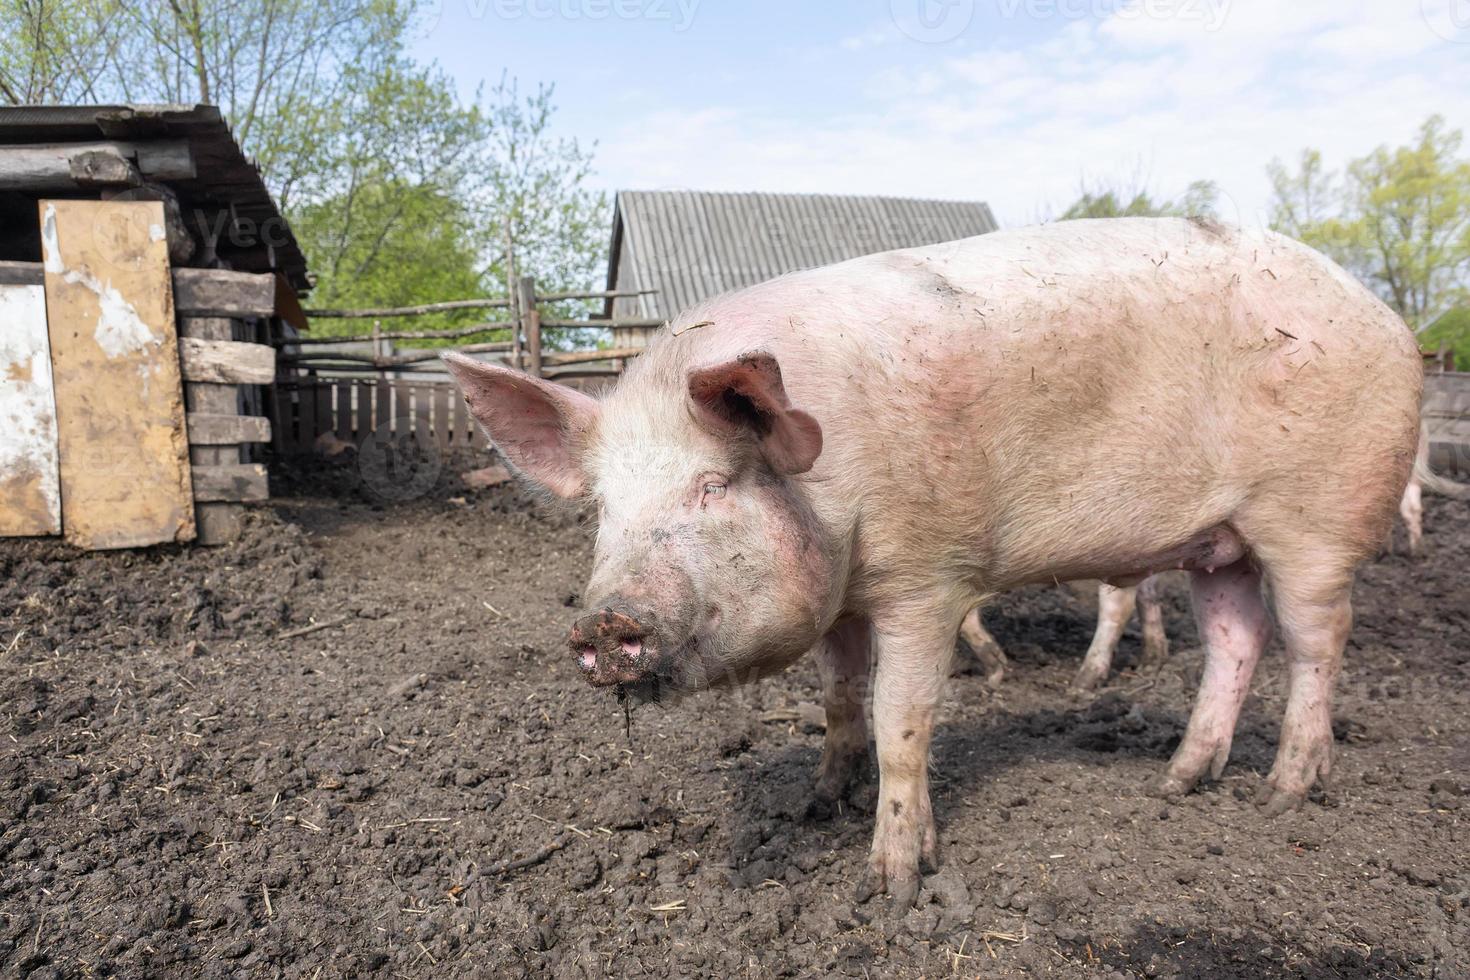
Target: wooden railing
525,348
327,397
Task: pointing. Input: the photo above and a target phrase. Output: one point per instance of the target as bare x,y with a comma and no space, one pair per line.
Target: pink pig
849,459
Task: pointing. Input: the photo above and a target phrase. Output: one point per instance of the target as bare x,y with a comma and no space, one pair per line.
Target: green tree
1200,199
1398,218
397,189
1451,329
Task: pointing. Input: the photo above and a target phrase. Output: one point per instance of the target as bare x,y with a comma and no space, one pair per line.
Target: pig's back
1118,382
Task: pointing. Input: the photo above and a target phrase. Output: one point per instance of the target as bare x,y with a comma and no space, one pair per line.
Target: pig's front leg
913,649
842,661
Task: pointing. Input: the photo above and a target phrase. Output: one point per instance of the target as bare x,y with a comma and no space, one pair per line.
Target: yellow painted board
122,448
30,494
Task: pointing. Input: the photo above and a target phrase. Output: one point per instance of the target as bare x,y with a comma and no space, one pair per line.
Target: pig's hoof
870,884
822,806
902,889
1166,785
1088,678
1275,801
905,893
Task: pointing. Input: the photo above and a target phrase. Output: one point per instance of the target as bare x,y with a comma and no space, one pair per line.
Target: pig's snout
612,647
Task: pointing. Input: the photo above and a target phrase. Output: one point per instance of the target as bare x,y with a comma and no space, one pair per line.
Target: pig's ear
534,423
746,397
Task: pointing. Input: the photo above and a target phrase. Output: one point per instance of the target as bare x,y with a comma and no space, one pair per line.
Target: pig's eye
714,491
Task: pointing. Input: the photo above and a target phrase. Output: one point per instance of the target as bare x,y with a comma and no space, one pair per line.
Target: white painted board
30,484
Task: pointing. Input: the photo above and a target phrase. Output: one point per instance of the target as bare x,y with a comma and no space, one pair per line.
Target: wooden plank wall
122,446
30,486
351,409
1447,417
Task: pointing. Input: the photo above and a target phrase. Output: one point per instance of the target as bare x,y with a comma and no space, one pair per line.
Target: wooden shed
144,270
686,246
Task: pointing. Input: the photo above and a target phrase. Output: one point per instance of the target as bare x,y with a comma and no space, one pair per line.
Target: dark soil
426,787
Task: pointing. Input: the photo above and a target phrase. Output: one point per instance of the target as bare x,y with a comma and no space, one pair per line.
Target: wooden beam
166,159
472,304
218,523
211,429
220,292
612,323
470,331
587,356
421,309
227,361
237,483
22,274
66,166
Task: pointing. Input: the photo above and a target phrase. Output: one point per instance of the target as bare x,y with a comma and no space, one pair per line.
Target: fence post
510,293
531,317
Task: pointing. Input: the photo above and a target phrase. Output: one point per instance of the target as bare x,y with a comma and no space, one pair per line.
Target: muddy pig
849,459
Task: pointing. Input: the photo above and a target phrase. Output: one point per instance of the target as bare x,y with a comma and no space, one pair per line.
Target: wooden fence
1447,418
326,388
349,410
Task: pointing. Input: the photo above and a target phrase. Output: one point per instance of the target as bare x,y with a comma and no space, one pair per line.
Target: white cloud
1021,125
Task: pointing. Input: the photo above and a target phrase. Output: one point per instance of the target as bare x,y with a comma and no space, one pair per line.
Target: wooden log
470,304
233,483
166,159
67,166
420,310
227,361
223,293
612,323
585,356
470,331
103,168
386,361
214,429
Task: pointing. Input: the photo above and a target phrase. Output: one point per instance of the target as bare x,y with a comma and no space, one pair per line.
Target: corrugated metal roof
226,182
691,245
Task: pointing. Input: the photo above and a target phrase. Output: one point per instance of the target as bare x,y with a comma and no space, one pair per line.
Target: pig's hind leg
1151,616
992,658
1114,609
1235,626
842,661
1314,611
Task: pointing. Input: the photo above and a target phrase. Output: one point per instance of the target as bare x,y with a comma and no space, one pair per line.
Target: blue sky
1012,101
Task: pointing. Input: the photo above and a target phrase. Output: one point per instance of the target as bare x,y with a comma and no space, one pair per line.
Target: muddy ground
185,790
